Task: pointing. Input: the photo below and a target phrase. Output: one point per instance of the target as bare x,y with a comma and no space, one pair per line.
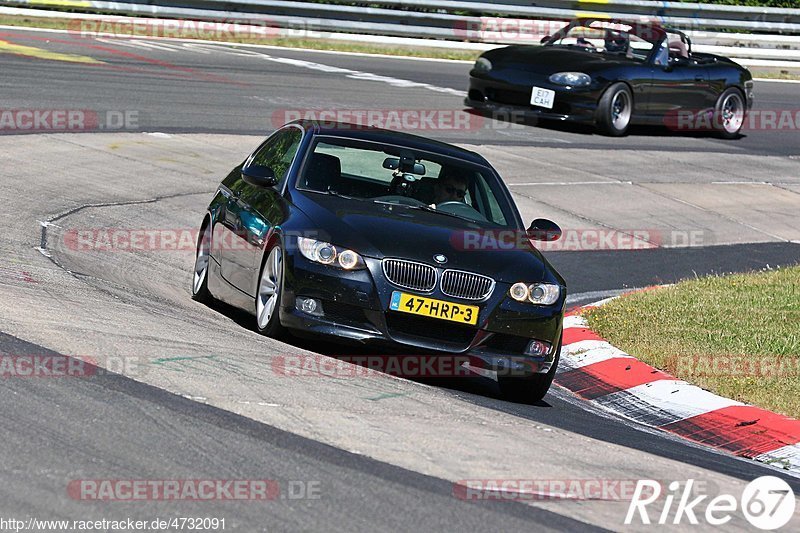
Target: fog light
309,306
537,348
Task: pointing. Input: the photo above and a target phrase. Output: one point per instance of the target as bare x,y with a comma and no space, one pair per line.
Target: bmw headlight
483,65
535,293
573,79
327,254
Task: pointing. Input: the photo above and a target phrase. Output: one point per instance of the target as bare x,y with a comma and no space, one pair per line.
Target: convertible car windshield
607,38
369,171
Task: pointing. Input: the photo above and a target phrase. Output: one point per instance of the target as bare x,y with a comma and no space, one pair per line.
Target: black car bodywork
251,216
670,79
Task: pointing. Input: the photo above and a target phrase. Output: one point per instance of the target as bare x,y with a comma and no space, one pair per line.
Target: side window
662,55
279,151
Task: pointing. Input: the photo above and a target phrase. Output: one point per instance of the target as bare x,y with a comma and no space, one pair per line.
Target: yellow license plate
419,305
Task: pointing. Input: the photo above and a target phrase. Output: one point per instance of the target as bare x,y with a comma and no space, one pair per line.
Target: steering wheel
460,208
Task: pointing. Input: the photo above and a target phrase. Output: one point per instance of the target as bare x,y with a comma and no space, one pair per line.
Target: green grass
736,335
772,75
288,42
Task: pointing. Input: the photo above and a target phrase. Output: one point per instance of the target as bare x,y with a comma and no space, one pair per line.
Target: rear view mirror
393,163
542,229
259,176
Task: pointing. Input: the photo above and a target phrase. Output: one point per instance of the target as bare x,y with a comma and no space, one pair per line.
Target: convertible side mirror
259,176
542,229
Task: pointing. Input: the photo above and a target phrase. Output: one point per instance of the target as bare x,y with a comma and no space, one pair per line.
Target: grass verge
736,335
50,23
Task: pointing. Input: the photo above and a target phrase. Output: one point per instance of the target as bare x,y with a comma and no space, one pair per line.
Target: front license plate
543,97
419,305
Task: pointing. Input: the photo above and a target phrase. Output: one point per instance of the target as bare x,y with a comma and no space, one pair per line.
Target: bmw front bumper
355,310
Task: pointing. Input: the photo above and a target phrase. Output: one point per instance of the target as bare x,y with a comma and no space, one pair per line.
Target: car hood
390,230
547,60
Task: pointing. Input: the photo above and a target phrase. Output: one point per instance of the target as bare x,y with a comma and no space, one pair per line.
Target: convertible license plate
419,305
543,97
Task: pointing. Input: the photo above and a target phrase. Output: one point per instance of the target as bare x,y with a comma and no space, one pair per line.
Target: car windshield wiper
334,193
434,210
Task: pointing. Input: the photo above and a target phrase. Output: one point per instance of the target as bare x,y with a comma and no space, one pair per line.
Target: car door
677,84
252,211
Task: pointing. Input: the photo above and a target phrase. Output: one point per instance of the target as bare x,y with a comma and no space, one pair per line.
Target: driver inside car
450,187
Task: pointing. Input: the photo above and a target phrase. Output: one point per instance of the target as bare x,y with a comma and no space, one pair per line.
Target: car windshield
609,38
376,172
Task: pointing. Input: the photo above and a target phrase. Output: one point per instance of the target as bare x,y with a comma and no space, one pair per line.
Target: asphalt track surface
114,427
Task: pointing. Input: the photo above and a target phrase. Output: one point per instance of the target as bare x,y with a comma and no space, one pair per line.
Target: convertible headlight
327,254
573,79
536,293
483,65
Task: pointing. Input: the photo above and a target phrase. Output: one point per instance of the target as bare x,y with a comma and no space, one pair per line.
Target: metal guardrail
462,20
428,18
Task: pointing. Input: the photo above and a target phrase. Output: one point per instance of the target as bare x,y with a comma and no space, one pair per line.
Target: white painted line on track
527,183
263,46
359,75
135,43
591,295
772,80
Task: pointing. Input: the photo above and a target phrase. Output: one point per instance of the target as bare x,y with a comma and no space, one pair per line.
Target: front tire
270,292
529,389
614,110
729,113
202,258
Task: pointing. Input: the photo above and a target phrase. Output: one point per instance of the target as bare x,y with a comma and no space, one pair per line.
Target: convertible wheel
614,110
200,279
729,113
268,299
529,389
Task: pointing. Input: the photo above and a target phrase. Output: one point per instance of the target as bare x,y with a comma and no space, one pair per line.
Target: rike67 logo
768,503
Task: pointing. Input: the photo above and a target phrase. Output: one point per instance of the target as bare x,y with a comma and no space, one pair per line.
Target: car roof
379,135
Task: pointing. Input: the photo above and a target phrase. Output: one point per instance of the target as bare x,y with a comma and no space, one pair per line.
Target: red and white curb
596,371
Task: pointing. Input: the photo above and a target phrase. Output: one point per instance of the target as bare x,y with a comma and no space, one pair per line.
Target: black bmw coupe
385,239
614,74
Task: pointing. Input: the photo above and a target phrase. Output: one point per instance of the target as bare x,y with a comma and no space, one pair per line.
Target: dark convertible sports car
614,74
386,239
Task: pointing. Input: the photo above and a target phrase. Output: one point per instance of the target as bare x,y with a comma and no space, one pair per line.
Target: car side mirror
259,176
544,39
542,229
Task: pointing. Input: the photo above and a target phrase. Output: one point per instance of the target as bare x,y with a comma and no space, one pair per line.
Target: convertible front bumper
510,102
